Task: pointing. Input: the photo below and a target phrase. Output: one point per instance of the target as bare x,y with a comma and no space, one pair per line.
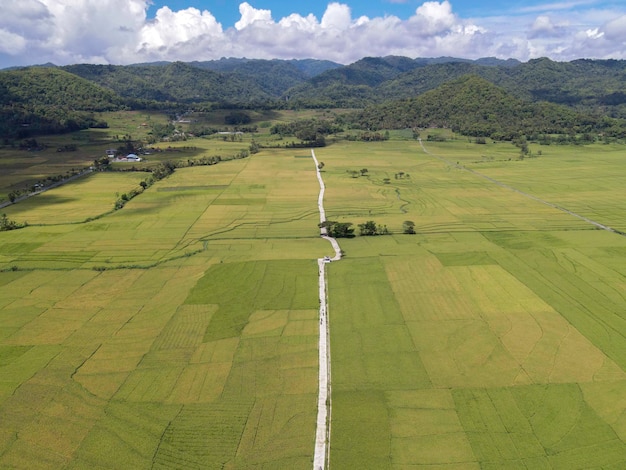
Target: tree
102,163
408,226
363,171
368,228
237,117
320,165
7,224
338,229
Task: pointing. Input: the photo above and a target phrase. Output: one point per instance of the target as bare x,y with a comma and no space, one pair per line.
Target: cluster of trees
371,228
367,229
338,229
7,224
307,130
161,171
237,118
369,136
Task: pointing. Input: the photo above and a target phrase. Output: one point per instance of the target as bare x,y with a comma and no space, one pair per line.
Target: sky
136,31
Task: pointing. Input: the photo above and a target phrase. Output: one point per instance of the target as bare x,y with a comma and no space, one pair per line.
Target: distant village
131,157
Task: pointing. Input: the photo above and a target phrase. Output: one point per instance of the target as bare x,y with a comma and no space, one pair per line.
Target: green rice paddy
181,331
494,337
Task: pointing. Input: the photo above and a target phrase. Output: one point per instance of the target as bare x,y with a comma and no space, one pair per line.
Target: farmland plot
494,337
181,331
178,332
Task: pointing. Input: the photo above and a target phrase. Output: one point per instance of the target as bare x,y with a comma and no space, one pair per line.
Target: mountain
58,99
176,82
273,77
239,82
50,86
39,100
474,106
592,85
375,79
308,67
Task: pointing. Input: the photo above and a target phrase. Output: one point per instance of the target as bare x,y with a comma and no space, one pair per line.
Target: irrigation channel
322,432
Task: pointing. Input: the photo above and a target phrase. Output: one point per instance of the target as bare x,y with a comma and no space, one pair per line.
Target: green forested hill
39,86
591,85
48,100
350,86
174,82
473,106
275,76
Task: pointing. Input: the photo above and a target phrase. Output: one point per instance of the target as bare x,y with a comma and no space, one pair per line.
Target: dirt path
322,433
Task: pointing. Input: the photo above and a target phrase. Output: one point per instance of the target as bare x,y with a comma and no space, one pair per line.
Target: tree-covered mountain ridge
593,85
473,106
43,100
57,99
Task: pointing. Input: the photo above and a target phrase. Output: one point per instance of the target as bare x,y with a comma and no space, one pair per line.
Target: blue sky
135,31
227,11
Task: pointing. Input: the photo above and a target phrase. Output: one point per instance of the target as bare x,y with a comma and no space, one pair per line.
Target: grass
181,331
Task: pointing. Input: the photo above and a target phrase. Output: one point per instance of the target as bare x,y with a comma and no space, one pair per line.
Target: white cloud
11,43
544,27
118,31
250,15
433,18
170,29
337,16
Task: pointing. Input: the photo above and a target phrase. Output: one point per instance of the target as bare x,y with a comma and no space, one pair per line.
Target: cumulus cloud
434,18
172,33
118,31
250,15
544,27
337,16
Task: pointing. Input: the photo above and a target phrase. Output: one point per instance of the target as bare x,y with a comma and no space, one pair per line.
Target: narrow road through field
43,190
322,433
530,196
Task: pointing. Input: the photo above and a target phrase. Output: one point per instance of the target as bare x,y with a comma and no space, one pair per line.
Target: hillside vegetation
510,98
48,100
472,106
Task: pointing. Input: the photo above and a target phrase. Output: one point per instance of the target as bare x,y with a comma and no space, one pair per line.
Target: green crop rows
182,330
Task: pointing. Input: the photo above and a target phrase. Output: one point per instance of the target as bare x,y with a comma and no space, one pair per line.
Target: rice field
178,332
494,337
181,331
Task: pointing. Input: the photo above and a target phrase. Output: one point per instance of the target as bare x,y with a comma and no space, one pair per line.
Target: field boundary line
324,405
528,195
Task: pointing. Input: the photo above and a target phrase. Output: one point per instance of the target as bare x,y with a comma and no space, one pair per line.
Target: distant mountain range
590,86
